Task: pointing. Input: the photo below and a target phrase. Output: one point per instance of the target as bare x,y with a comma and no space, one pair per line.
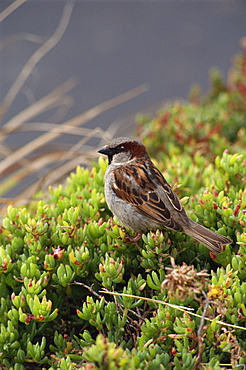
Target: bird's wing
142,185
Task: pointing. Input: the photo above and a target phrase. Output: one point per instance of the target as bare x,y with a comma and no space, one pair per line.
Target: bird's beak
105,150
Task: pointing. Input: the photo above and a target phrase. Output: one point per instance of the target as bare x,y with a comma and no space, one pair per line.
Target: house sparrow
141,199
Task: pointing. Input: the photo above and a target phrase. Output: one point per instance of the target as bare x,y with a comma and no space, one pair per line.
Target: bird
141,199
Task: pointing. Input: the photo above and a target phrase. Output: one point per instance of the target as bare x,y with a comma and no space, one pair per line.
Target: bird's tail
210,239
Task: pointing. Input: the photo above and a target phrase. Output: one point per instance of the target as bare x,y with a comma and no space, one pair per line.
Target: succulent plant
76,290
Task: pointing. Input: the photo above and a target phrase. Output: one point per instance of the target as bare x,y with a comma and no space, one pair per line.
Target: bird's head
123,149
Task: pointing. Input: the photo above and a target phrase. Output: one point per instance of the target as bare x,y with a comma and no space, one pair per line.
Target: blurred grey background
113,46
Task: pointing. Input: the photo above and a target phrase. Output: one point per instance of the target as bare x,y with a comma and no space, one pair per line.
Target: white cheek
117,163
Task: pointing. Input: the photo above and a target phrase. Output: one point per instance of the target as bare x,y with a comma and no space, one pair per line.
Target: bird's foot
132,239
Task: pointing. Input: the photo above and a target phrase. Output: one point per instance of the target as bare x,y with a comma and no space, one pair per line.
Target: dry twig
37,161
12,7
35,58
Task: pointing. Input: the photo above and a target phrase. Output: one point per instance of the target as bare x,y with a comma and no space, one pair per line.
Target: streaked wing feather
174,200
138,187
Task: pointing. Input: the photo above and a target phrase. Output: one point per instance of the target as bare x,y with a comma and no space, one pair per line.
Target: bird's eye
119,148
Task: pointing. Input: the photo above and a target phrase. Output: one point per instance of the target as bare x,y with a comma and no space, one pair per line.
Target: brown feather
139,189
136,181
